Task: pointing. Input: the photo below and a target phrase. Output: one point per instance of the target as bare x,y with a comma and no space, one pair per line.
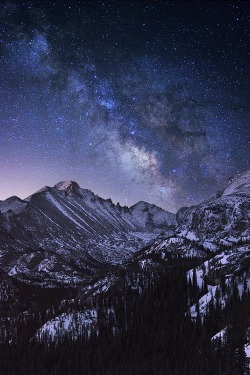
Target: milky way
133,100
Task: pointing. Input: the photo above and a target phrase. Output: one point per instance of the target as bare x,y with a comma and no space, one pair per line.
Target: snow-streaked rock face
220,225
152,216
67,230
224,218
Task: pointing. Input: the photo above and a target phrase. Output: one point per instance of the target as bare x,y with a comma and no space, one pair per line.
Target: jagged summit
69,187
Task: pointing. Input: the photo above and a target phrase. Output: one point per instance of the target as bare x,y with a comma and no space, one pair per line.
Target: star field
133,100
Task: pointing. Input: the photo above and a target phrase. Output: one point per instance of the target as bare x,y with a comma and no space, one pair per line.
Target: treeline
145,333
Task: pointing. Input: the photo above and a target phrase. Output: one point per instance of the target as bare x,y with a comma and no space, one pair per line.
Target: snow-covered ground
72,325
220,335
247,350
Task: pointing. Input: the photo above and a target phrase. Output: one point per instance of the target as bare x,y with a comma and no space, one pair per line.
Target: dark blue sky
133,100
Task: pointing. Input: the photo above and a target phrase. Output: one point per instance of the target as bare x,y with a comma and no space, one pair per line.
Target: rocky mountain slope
219,225
66,232
223,218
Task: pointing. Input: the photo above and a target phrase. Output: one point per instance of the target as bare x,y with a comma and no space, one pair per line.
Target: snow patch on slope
220,335
71,325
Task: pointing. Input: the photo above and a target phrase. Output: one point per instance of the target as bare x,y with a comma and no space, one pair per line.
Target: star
134,102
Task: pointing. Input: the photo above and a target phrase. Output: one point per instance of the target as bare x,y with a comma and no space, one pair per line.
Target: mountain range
70,259
65,232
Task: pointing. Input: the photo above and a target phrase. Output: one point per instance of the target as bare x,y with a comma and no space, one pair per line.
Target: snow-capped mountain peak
66,228
69,187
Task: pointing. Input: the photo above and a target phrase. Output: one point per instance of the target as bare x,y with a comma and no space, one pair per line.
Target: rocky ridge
65,232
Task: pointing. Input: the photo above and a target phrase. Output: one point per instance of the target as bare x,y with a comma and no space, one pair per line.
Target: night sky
133,100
